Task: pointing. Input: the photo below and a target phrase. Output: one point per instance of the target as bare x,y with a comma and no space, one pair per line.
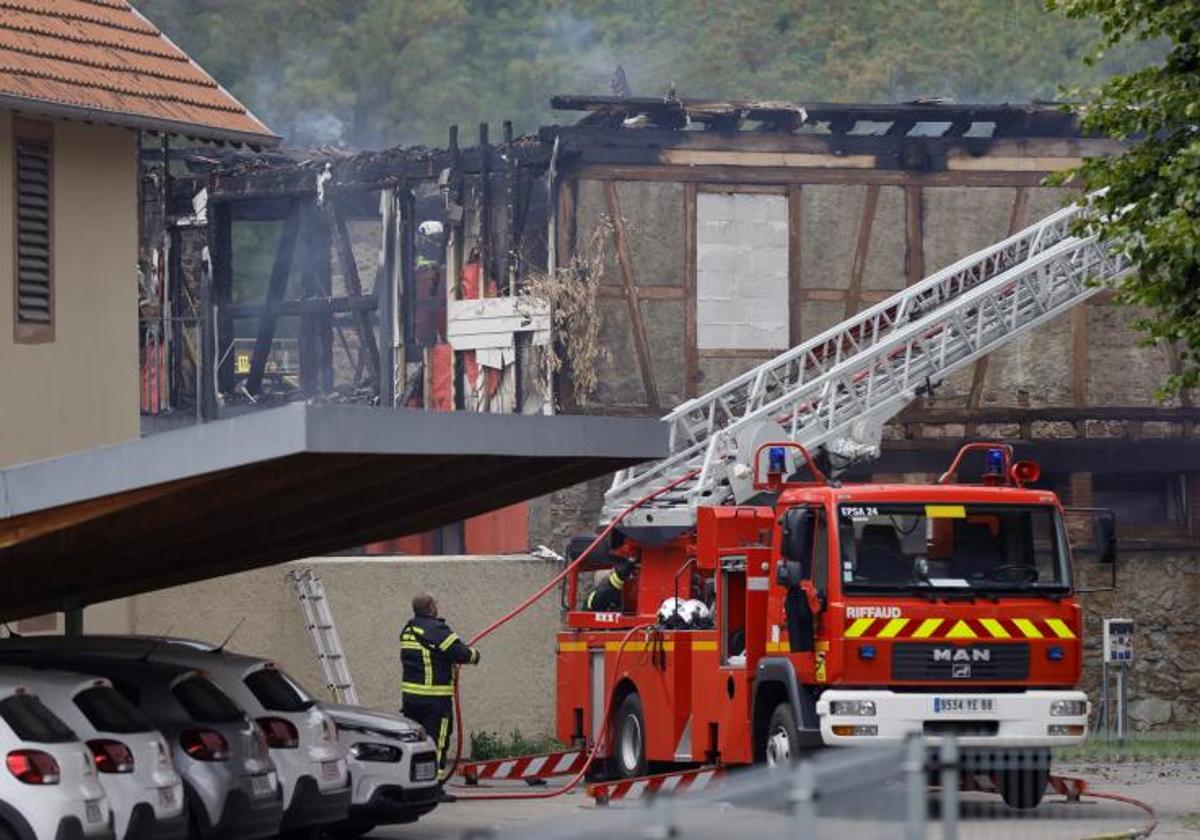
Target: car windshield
108,711
952,546
205,702
276,692
31,721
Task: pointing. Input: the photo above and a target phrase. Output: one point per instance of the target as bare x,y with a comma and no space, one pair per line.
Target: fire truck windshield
886,546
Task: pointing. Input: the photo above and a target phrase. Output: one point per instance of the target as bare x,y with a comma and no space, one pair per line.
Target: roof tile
103,56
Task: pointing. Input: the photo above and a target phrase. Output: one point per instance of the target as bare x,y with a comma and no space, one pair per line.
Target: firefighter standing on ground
429,653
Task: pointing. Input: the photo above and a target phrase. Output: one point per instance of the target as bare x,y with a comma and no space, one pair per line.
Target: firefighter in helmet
429,653
608,596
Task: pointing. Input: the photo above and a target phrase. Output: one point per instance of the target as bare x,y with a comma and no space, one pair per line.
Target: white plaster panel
741,271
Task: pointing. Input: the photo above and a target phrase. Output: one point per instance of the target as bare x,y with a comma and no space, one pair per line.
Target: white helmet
694,611
430,228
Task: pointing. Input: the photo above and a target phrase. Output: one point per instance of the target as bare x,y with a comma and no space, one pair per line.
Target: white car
48,787
303,742
393,764
132,757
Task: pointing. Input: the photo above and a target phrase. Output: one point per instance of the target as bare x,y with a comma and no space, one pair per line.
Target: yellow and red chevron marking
958,628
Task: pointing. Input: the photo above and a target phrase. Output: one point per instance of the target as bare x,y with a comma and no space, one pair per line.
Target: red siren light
1026,472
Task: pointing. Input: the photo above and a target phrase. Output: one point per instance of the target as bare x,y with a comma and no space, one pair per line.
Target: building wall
79,390
512,687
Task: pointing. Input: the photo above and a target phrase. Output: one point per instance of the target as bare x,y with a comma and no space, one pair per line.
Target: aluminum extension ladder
867,368
318,621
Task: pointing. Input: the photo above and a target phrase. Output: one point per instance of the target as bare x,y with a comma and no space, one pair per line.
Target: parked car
131,756
302,738
393,765
230,783
48,787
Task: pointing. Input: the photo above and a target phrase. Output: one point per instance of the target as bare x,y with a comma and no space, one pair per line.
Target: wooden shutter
33,272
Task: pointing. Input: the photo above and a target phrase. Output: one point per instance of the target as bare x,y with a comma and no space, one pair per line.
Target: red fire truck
825,614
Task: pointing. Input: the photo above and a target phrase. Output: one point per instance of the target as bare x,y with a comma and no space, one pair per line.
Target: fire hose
526,604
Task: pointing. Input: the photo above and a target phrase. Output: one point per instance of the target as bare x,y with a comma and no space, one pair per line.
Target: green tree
1152,203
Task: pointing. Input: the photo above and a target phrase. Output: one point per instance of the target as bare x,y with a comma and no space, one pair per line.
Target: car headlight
1068,708
367,751
852,708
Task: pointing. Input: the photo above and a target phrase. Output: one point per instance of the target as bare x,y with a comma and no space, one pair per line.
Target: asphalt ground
1172,789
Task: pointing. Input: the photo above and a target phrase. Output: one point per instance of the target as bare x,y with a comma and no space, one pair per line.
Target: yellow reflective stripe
572,647
1060,628
1028,628
418,630
451,639
411,646
427,690
927,628
859,627
443,740
615,580
613,647
961,630
945,512
893,627
710,645
427,661
995,628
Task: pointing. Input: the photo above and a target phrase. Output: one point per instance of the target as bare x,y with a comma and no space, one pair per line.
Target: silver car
393,764
302,738
230,783
132,757
48,785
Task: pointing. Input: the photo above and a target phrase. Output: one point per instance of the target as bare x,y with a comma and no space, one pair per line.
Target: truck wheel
1023,789
629,738
782,747
5,834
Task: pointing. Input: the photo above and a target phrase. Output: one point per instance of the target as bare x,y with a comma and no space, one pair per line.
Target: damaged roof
101,60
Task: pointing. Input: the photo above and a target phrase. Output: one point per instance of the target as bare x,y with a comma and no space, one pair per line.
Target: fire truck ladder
327,644
838,389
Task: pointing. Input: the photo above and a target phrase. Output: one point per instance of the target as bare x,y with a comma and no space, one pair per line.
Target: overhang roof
278,485
100,60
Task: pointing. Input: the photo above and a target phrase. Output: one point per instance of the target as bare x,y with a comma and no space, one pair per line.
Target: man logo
962,655
960,671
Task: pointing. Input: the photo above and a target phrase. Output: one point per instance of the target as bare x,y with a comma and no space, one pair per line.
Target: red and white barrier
1067,786
645,786
524,767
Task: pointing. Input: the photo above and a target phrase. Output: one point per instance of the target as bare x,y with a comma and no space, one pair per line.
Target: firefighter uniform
429,650
607,596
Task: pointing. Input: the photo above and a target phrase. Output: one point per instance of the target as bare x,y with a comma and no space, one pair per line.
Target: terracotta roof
101,60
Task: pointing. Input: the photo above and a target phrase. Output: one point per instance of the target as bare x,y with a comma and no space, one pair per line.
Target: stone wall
1160,591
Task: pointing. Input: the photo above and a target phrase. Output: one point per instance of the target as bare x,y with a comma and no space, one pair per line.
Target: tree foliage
1152,203
370,73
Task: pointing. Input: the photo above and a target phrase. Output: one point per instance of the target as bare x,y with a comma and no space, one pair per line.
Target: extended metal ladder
318,621
863,371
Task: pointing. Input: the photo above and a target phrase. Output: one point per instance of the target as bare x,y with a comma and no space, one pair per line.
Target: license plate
963,704
166,797
330,771
92,812
425,771
260,785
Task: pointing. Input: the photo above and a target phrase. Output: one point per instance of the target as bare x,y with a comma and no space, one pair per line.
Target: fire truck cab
829,614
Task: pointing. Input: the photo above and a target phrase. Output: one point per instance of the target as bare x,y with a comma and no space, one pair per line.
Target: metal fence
911,790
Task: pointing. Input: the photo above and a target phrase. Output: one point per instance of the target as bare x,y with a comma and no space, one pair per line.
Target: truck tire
629,738
782,745
1023,789
5,834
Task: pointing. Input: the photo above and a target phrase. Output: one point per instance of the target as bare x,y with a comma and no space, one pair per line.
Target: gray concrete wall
512,687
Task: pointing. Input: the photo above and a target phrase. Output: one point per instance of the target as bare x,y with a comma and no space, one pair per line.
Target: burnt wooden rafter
637,326
362,317
859,266
276,289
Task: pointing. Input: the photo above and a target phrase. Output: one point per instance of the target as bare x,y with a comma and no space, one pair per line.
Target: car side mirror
796,528
1104,534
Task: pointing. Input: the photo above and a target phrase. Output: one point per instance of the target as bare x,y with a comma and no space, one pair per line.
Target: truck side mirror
795,546
1104,533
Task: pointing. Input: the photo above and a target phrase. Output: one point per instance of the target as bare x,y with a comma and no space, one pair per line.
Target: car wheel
629,738
782,745
1023,789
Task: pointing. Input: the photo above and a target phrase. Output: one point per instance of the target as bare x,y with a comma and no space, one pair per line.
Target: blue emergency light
777,459
995,462
1054,653
866,652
